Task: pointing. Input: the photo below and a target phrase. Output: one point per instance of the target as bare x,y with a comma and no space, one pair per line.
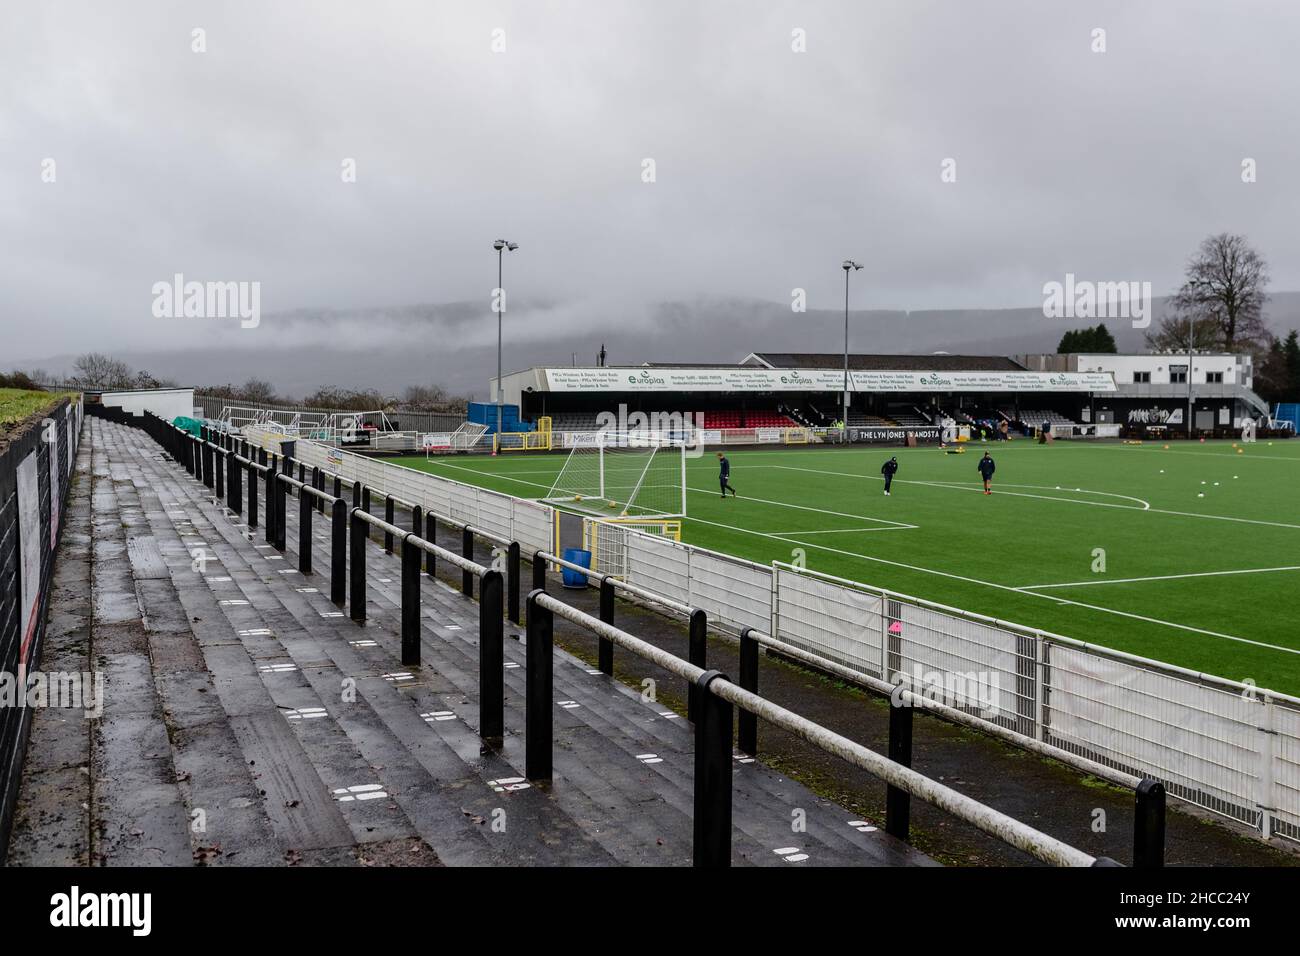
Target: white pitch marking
1158,577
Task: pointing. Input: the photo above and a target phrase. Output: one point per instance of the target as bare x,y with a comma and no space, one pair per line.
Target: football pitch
1188,554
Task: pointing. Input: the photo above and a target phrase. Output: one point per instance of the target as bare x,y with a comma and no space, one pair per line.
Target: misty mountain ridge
454,344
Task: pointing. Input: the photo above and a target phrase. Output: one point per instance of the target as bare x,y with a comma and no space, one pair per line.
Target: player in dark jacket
986,469
888,469
724,475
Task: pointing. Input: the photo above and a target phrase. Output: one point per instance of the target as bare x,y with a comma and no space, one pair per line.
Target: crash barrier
718,697
1226,746
36,467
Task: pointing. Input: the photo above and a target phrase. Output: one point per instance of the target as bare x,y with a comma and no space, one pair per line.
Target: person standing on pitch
724,475
888,469
986,469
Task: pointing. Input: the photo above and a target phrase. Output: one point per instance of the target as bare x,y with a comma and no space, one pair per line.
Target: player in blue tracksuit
888,469
986,469
724,475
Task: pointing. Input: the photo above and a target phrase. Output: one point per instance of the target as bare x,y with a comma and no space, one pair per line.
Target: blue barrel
572,578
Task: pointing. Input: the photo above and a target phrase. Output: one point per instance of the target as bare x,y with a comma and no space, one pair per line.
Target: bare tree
1225,288
257,390
96,370
1171,335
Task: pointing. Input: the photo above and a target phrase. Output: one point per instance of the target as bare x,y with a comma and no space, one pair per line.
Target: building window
1178,378
1214,378
1142,378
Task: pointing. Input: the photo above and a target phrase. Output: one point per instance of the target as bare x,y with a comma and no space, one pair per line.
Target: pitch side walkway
248,721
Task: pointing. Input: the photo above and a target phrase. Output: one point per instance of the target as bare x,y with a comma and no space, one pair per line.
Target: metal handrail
1037,844
956,715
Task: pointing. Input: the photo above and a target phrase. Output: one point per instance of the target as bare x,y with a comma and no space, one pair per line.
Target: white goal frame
589,493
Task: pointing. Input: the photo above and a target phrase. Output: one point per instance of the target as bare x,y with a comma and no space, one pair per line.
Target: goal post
623,474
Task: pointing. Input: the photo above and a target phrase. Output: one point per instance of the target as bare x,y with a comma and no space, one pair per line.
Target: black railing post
252,495
388,516
696,653
605,649
431,536
218,474
467,550
539,571
1149,824
747,731
711,843
338,486
235,481
207,465
305,509
356,494
261,457
281,513
512,581
365,506
269,477
898,802
339,551
357,561
417,521
410,600
491,659
538,702
318,482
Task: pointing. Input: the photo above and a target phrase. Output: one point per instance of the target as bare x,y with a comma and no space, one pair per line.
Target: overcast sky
771,165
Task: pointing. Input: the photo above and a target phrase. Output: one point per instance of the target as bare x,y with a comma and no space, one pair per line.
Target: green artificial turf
939,537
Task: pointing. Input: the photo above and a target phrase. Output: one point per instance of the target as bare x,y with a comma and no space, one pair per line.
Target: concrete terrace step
237,689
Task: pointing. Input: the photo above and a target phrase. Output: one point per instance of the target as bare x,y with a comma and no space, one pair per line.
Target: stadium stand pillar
898,803
467,551
538,694
1149,824
410,601
711,844
696,653
357,559
747,731
512,581
389,506
305,507
605,651
338,551
431,536
491,659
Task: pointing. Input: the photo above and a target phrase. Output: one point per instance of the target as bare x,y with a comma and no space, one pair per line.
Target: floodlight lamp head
499,245
850,264
512,246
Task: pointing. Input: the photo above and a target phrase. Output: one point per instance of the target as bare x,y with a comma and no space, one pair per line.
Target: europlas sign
735,379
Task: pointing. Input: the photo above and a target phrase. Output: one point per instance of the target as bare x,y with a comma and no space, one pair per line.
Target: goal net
624,474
